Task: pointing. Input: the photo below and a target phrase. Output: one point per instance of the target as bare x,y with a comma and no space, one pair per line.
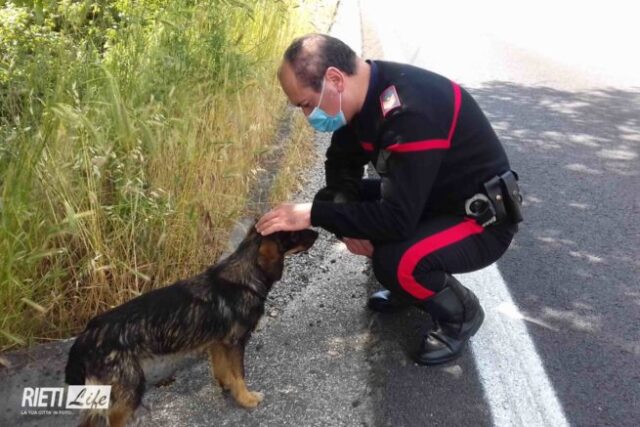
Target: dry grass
299,156
124,175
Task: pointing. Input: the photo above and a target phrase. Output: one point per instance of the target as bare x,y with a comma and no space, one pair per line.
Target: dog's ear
251,231
270,259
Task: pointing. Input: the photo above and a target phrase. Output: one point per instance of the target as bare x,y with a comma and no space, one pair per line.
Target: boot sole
453,356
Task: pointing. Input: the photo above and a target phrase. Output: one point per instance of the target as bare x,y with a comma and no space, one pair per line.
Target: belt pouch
512,196
493,189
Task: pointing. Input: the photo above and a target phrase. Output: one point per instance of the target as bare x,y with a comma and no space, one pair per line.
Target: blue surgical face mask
323,122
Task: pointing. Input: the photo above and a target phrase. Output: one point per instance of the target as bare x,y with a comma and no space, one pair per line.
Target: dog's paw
251,399
258,395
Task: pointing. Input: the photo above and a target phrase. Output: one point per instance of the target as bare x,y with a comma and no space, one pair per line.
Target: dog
215,311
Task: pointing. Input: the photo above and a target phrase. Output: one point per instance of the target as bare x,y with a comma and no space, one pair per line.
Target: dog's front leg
246,398
220,367
228,367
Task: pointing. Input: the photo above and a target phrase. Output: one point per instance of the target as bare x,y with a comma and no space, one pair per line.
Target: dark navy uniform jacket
429,141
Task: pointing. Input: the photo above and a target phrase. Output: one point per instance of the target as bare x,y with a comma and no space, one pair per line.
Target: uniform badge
389,100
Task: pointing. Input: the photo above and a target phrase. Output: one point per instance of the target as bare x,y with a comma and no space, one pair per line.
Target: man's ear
270,260
336,77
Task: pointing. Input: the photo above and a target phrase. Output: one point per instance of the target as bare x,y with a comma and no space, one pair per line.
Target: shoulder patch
389,100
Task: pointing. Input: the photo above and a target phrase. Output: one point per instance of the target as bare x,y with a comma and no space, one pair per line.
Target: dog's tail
76,370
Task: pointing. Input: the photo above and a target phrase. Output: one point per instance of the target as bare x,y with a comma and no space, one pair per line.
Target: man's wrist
307,214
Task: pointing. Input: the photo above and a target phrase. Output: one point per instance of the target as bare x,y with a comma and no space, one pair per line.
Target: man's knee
349,193
418,280
324,195
364,190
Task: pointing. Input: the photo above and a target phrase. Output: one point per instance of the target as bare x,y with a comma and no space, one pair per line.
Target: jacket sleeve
412,149
344,167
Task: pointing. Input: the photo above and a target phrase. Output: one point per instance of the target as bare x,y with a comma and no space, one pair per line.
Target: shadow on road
406,394
574,267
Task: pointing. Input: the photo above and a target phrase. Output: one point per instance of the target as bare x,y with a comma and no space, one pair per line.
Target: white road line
515,383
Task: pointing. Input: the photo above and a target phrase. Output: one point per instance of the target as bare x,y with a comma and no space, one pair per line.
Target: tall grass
296,161
128,135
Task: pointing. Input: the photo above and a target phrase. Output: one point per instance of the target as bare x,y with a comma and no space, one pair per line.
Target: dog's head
274,247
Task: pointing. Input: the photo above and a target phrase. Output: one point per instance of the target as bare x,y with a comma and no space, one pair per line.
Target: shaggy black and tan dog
214,311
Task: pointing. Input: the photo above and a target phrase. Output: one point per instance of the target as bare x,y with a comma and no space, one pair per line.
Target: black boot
457,316
386,302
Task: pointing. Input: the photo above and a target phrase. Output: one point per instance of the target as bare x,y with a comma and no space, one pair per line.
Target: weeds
128,130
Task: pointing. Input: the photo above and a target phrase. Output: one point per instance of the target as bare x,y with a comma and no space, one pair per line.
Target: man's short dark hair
309,56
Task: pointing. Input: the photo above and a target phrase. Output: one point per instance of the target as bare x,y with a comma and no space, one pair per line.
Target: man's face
305,97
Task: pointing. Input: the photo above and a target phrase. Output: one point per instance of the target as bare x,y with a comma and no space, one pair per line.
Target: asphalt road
566,105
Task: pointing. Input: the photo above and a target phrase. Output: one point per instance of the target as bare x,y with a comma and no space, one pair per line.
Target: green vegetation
128,133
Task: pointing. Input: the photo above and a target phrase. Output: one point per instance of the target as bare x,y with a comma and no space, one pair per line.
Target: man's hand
285,217
359,246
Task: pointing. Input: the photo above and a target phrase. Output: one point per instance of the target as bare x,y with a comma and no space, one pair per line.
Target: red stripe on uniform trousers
415,253
367,146
434,144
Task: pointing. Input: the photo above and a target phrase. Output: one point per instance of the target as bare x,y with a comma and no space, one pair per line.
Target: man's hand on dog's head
285,217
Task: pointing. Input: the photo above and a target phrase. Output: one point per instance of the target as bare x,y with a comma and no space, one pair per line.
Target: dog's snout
308,237
299,241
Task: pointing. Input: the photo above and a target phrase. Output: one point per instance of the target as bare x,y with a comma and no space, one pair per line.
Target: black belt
500,202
